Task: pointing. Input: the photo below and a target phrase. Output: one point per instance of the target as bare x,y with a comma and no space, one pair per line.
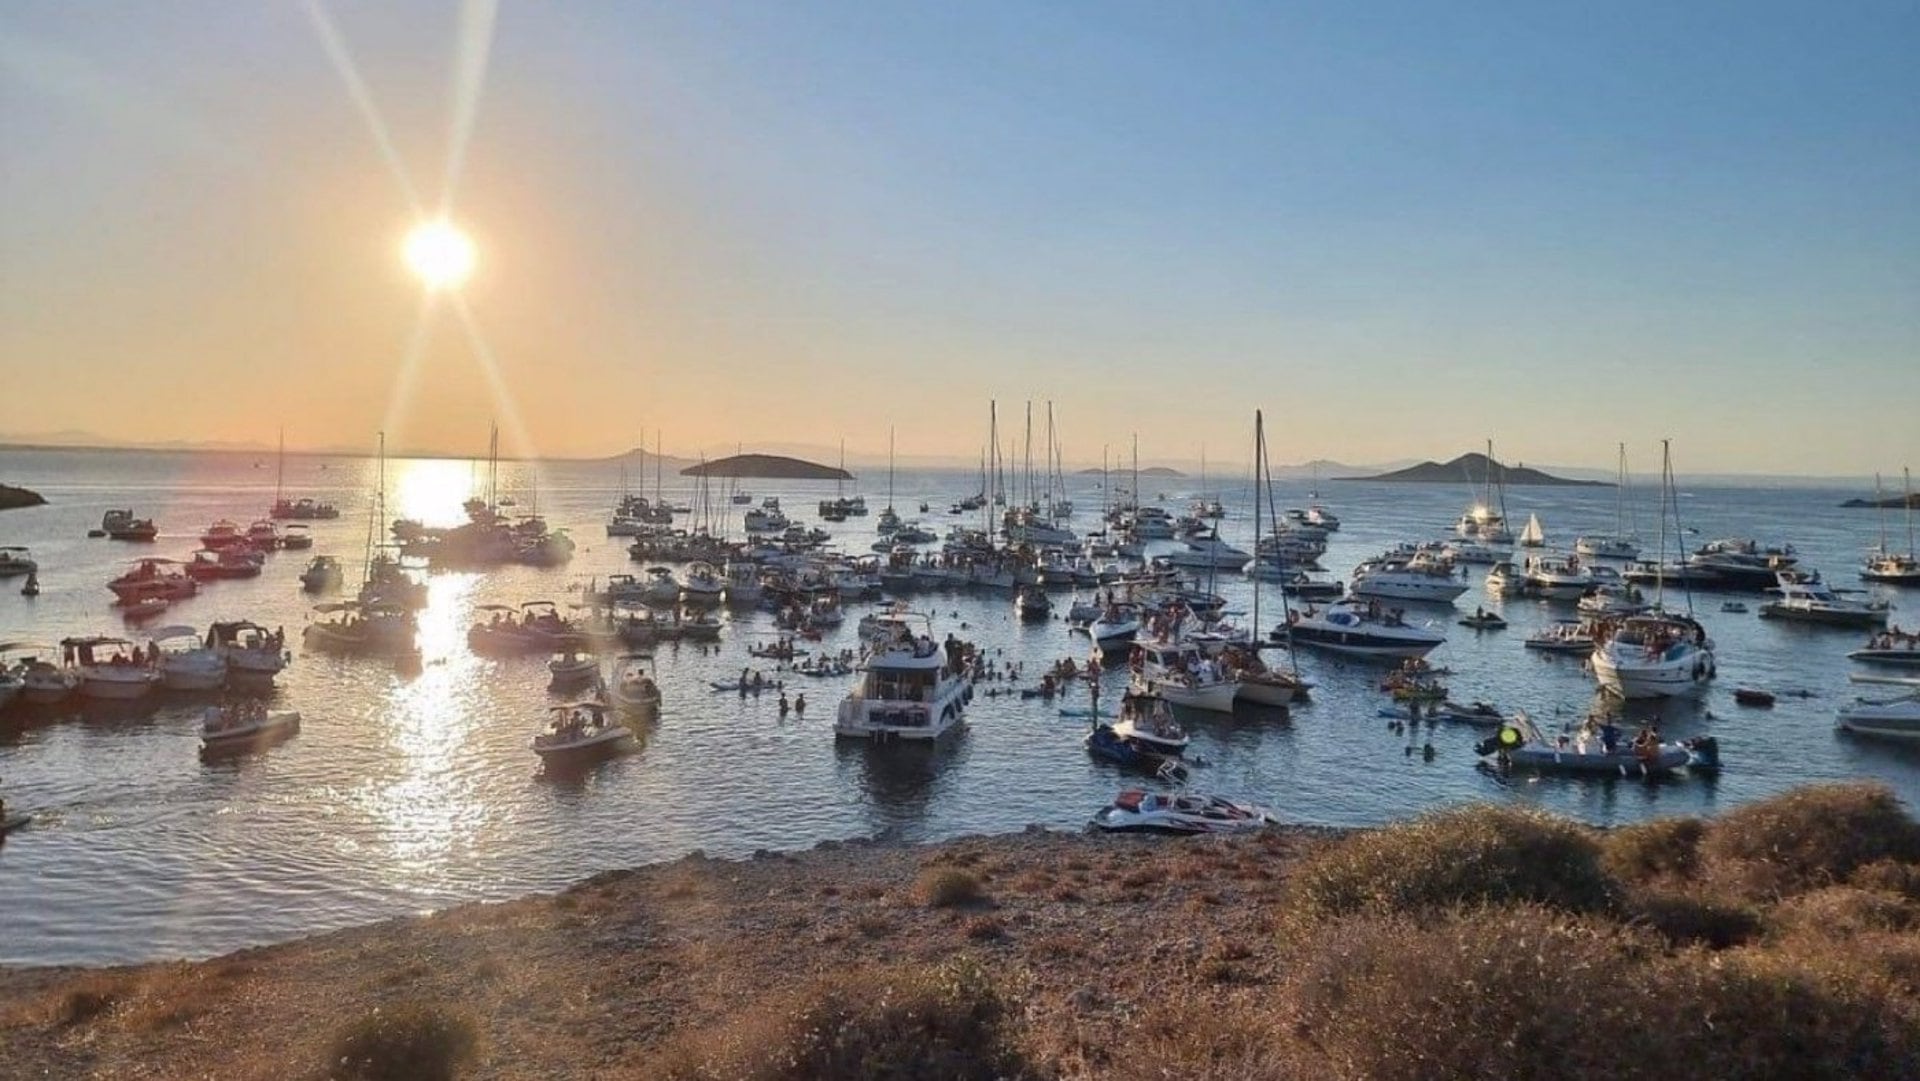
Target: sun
439,254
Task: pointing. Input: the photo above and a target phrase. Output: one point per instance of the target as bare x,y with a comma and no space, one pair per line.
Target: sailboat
888,523
1621,543
1254,681
303,509
1887,566
1485,520
1657,654
1533,536
381,622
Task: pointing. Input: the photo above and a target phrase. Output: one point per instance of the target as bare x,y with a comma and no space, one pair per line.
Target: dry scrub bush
1665,848
947,887
1465,856
948,1022
1808,838
408,1042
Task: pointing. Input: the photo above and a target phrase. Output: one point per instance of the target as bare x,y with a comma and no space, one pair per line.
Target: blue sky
1400,228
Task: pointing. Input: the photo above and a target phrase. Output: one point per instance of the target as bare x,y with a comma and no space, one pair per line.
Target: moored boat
1354,629
579,732
244,726
910,688
1597,749
185,664
1183,812
1891,718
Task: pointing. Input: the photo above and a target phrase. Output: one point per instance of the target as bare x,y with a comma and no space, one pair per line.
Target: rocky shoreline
12,498
1790,928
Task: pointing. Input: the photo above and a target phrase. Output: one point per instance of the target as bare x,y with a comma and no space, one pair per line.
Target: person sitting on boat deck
1610,736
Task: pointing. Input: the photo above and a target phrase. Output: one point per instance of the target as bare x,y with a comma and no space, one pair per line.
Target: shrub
1889,876
1466,856
1842,912
949,887
406,1043
1691,919
1808,838
899,1025
83,1004
1662,848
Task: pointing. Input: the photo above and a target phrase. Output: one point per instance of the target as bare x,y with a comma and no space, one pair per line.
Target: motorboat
296,538
110,668
743,585
302,509
263,536
633,690
231,561
1182,812
1596,750
1556,578
1148,722
1179,673
1891,718
1031,603
1504,580
1296,585
1483,620
1417,577
254,655
1655,655
741,498
1687,575
185,664
36,679
662,589
353,628
1534,535
1355,629
142,603
1102,742
703,587
244,726
571,666
1562,636
390,583
762,520
1743,564
1613,600
121,525
1116,627
1461,550
1804,598
223,533
910,688
322,573
1209,553
16,560
1894,647
579,731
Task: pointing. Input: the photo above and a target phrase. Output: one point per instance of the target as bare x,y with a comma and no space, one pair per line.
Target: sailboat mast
1880,500
990,475
1907,472
1026,467
1259,436
280,473
889,468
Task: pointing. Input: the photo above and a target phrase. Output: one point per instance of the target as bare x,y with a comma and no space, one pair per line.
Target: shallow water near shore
412,791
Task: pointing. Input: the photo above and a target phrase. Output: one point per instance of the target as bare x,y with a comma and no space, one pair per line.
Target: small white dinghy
245,726
1139,810
578,732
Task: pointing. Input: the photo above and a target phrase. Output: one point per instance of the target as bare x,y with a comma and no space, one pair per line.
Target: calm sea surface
405,793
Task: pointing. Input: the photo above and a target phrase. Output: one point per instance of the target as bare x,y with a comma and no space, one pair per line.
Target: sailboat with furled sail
1885,565
1621,543
1657,654
1486,520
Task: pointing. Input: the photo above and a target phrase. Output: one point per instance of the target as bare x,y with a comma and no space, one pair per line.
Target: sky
1399,229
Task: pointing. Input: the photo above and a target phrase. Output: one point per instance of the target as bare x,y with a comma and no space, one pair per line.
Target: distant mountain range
1150,471
1474,468
774,466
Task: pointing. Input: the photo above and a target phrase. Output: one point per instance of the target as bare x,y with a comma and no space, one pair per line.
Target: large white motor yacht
1357,629
1653,656
908,688
1419,577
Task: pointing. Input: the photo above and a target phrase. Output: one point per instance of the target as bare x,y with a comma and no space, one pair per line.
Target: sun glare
439,254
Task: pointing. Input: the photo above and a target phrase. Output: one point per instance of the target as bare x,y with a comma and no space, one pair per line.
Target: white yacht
1805,598
703,587
1418,577
368,629
243,727
662,589
1209,553
1557,578
1890,718
186,664
1115,627
1653,656
154,577
743,585
1180,674
41,681
1355,629
109,668
1462,550
908,689
633,689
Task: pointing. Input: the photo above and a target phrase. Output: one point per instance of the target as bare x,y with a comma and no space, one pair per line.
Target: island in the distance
1152,471
1474,469
1893,501
12,498
772,466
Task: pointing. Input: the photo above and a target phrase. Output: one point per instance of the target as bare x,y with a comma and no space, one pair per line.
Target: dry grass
1809,838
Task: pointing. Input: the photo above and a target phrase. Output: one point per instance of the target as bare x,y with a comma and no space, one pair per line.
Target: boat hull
1213,697
1825,617
1262,693
118,690
1665,680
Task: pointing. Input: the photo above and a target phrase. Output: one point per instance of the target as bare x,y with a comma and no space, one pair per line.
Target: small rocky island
1893,501
1151,471
12,498
775,466
1474,469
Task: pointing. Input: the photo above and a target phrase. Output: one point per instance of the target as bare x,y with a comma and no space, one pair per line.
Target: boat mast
889,469
990,468
1907,472
1620,498
659,493
1048,480
1027,461
280,474
1880,500
1660,568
